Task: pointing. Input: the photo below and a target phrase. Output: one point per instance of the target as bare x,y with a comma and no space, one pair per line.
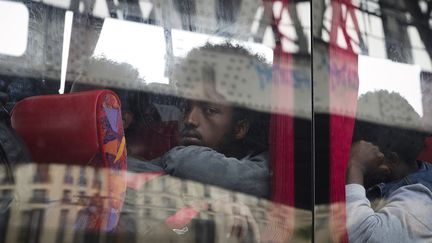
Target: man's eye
210,110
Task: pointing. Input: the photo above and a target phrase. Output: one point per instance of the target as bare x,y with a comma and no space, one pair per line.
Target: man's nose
192,117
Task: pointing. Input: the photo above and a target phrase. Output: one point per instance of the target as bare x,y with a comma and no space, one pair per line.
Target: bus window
159,121
372,121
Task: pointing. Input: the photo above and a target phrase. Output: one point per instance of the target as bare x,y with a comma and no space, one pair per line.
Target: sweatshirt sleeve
249,175
406,216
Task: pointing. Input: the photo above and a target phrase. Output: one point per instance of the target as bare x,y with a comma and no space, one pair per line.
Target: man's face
207,124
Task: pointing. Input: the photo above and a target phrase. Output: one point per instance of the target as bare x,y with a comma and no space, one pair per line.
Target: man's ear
242,128
128,118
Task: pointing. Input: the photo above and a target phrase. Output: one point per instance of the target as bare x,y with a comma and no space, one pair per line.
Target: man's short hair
406,141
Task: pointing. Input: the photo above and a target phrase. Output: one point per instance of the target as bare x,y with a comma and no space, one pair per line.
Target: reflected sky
14,19
376,74
144,47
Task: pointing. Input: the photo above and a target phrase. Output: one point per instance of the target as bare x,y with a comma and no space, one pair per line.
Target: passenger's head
398,134
222,127
136,109
215,122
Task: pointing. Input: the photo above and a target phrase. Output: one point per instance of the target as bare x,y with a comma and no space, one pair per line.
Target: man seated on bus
221,144
388,191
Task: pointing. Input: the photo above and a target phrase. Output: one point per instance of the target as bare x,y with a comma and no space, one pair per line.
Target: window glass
15,42
170,121
372,124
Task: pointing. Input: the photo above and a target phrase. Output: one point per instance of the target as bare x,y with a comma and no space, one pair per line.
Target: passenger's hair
403,136
135,101
258,135
138,103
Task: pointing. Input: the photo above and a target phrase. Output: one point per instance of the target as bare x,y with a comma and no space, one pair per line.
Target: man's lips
187,141
190,140
190,137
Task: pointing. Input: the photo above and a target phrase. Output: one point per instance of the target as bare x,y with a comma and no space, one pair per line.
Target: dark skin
211,125
367,165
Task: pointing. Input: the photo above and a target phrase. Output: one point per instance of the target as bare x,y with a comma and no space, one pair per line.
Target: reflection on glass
182,139
14,41
65,212
362,49
231,140
388,189
378,74
68,175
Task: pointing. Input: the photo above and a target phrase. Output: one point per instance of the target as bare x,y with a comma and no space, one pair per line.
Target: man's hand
365,158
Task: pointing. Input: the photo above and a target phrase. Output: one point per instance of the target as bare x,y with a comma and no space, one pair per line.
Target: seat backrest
79,128
82,129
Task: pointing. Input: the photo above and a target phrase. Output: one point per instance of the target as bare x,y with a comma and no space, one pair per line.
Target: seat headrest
64,128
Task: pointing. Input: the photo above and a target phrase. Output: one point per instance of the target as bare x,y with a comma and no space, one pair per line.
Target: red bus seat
82,129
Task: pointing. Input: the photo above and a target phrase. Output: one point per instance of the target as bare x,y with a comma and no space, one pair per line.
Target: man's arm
406,217
250,175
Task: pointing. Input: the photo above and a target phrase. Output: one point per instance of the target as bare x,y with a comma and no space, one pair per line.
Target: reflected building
64,203
49,201
165,205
